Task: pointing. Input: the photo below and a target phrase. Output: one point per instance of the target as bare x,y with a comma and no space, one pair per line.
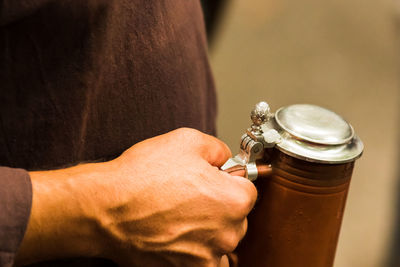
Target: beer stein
301,160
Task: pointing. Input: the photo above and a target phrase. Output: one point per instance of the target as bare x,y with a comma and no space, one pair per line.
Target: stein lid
316,134
314,124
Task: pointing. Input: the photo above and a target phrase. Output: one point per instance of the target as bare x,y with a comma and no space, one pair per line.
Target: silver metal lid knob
260,114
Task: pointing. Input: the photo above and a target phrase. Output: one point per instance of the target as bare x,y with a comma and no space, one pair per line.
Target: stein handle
264,170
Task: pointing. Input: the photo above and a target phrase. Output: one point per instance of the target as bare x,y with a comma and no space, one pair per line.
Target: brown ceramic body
297,218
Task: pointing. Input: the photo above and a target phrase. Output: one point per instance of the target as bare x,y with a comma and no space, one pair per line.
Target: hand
163,202
175,206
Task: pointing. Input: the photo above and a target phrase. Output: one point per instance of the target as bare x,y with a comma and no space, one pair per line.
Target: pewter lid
314,124
316,134
307,132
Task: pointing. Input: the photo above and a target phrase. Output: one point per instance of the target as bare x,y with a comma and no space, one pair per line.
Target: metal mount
255,140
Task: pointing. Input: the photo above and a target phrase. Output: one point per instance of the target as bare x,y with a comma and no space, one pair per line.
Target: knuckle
252,192
188,132
229,241
243,229
243,203
205,144
190,136
243,195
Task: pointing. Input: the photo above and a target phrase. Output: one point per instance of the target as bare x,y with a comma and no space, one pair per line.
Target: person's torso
84,80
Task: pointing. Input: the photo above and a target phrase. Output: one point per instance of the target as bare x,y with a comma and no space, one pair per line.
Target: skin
163,202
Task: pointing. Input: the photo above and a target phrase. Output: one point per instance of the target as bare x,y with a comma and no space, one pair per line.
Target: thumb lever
263,170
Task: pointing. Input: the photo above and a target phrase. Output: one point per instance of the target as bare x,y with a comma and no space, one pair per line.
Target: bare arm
60,224
163,202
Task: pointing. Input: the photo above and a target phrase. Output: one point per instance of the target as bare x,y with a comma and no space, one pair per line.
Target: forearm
62,224
155,205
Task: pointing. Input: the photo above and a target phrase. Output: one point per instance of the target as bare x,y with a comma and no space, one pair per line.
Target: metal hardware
304,131
254,141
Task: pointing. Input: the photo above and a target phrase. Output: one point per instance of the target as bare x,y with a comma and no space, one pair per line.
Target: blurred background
343,55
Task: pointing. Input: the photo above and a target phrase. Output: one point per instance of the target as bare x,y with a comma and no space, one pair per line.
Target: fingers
214,151
240,195
224,261
244,193
233,260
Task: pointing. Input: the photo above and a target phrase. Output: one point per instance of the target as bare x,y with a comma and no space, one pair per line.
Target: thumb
214,151
211,149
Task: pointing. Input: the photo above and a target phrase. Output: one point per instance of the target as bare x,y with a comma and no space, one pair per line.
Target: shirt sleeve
15,207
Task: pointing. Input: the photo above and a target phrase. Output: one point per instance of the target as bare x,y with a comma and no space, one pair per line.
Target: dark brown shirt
84,80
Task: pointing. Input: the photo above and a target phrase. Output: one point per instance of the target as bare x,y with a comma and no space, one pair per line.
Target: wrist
60,224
